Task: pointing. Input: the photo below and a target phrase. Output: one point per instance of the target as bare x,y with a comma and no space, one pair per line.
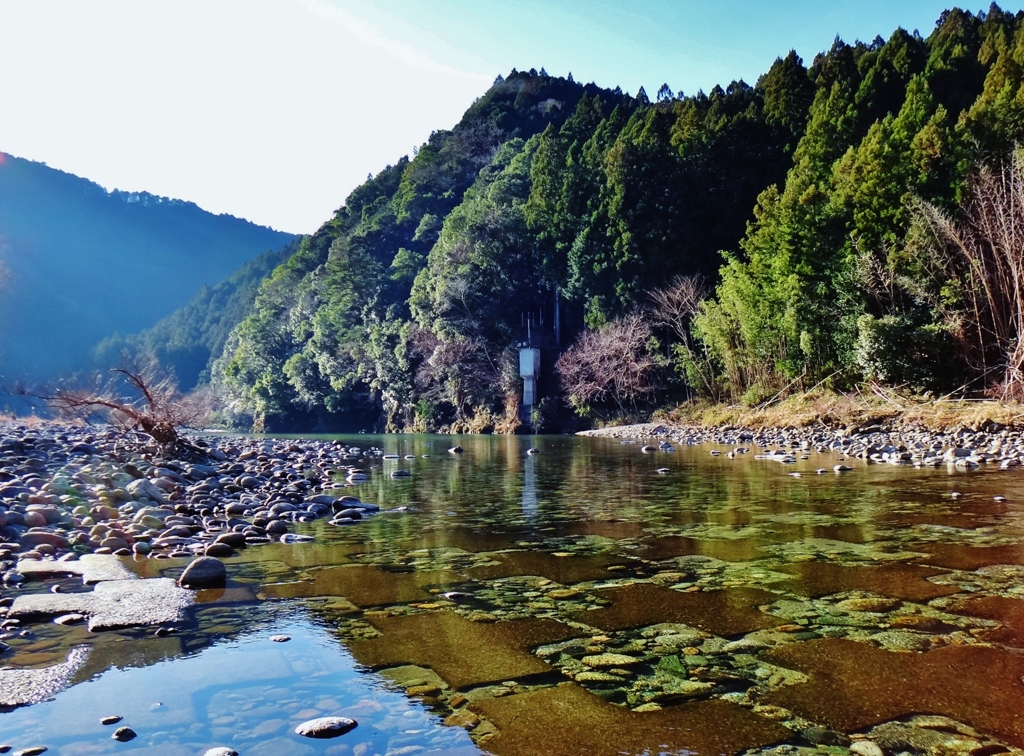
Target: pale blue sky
274,110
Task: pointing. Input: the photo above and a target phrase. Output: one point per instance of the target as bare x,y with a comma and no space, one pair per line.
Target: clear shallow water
593,606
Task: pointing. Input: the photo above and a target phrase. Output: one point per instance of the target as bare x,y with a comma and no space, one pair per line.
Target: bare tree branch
133,398
983,254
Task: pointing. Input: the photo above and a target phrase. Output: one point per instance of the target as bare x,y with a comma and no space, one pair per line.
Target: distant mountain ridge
83,263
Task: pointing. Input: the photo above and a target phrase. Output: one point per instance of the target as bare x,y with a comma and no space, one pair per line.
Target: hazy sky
274,110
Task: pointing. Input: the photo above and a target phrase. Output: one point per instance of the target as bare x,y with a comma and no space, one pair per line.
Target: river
576,601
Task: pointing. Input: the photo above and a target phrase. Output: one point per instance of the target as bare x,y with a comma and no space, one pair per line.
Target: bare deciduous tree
983,254
612,365
458,371
674,308
132,398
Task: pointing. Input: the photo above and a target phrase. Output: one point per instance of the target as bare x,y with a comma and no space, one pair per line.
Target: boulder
204,572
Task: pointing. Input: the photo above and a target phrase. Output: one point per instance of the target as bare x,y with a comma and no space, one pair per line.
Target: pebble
124,734
221,751
280,638
325,727
866,748
111,720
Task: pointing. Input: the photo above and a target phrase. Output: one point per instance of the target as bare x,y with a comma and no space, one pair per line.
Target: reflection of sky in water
248,694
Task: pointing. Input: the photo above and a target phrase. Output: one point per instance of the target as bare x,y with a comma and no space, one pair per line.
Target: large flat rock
20,687
92,568
113,604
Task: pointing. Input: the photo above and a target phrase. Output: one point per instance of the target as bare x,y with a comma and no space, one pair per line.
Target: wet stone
92,568
113,604
204,572
325,727
124,734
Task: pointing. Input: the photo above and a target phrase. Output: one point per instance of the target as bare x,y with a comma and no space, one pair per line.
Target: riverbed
566,595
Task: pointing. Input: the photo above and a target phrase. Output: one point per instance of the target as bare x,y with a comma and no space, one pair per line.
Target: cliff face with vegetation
813,227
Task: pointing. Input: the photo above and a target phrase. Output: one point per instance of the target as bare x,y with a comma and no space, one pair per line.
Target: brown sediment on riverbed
365,586
725,612
567,720
852,685
462,652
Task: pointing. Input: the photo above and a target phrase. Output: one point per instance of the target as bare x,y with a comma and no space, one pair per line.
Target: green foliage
825,283
554,208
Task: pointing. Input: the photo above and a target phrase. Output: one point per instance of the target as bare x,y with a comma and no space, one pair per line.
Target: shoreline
962,448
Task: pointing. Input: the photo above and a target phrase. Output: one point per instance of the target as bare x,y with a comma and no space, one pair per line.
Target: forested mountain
192,337
824,202
81,263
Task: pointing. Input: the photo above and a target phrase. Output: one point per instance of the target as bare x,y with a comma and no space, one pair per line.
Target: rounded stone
276,527
203,572
221,751
124,734
219,550
325,727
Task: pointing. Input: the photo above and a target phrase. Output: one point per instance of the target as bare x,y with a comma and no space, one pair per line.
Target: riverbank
879,428
865,407
68,490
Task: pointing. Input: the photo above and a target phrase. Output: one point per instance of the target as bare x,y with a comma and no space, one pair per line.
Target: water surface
576,601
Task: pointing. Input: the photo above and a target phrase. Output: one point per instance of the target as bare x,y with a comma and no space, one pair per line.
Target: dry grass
867,406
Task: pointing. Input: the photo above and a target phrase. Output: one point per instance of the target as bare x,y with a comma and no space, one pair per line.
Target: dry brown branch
983,252
674,308
133,398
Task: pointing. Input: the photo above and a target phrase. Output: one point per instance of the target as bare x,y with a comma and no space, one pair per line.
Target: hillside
189,339
853,219
83,263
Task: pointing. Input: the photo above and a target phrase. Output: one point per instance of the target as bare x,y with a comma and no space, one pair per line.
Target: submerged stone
565,570
366,586
898,581
19,687
1009,612
729,550
956,556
